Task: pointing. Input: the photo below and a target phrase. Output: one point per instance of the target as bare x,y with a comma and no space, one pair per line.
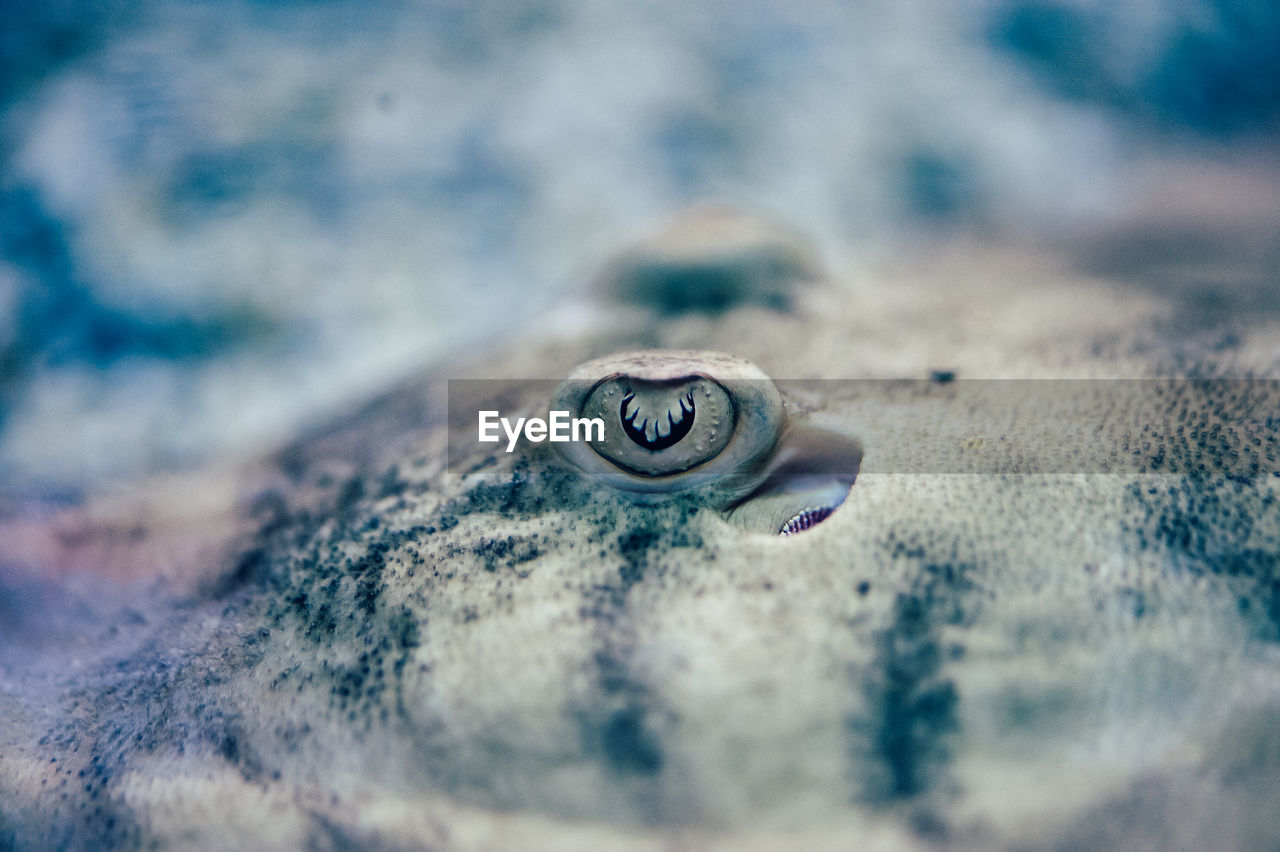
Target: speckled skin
344,645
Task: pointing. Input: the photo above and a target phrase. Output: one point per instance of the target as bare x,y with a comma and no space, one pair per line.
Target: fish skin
346,644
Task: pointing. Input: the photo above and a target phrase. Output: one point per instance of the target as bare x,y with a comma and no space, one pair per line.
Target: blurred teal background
220,221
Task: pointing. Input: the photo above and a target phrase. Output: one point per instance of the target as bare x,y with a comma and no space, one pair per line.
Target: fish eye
674,420
661,428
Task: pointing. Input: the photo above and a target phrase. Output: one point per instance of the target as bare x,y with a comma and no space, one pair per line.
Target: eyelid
729,474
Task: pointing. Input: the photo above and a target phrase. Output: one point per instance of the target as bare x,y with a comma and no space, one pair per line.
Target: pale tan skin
967,660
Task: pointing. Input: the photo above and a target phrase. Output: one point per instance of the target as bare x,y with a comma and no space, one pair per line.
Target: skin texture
353,643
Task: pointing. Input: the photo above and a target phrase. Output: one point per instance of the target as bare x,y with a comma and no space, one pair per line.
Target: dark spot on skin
633,547
171,694
680,288
404,627
524,494
743,263
507,552
918,708
622,733
914,704
628,746
322,625
611,674
368,574
233,747
1211,521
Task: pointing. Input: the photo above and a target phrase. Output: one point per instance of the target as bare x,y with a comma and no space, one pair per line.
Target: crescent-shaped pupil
677,430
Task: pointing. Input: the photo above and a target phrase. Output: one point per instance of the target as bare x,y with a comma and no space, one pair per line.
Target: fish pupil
676,429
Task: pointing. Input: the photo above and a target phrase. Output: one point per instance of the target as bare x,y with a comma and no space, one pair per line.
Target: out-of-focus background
221,221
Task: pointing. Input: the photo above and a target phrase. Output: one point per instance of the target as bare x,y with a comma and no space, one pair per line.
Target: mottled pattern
346,645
